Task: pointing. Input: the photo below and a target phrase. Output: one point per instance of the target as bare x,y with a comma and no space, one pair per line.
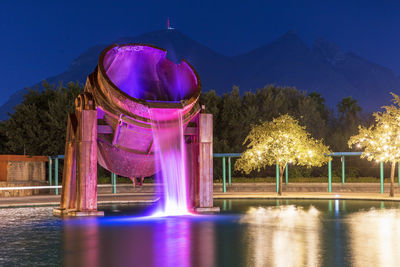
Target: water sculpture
139,115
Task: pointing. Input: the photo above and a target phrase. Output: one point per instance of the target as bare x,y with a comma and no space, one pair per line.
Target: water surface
245,233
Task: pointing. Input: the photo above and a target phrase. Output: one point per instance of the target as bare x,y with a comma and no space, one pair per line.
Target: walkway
131,198
54,200
308,195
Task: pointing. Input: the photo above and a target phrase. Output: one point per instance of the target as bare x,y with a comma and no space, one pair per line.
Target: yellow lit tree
281,141
381,141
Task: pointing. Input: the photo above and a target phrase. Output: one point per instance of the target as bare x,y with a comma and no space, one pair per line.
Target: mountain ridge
286,61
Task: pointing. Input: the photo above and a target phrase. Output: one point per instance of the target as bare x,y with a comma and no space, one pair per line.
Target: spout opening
144,74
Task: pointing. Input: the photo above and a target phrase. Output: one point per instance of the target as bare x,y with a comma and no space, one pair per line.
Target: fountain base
207,210
64,213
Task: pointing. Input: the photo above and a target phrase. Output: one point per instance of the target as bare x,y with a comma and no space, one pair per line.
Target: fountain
139,116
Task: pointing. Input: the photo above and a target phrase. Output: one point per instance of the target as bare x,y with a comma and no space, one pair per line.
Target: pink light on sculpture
134,114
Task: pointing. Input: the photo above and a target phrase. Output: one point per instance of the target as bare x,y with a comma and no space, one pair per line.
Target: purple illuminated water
169,147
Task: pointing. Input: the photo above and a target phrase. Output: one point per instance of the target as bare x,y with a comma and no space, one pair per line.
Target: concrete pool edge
146,198
54,200
313,196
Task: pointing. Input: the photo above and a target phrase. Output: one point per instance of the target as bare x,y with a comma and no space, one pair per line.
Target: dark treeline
234,114
38,124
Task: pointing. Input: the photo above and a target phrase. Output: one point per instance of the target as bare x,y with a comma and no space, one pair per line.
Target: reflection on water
170,241
283,236
247,233
81,244
375,237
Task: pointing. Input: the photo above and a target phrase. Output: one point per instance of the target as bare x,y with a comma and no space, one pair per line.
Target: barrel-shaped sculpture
128,81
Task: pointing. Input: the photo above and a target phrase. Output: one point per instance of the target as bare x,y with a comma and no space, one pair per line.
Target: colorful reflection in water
148,241
283,236
375,237
246,233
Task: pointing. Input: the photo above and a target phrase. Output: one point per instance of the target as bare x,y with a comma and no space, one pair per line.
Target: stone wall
20,170
22,193
25,171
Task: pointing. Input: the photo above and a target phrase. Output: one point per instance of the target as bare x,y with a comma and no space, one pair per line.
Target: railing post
50,171
114,182
398,172
223,175
277,177
343,170
229,171
56,173
287,173
330,175
382,177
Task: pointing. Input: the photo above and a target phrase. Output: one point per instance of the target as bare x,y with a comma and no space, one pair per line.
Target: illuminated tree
281,141
381,141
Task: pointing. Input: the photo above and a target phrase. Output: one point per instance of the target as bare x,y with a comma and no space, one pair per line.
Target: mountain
371,82
287,61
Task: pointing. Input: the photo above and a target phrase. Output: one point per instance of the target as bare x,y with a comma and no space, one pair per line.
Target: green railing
55,159
343,156
226,157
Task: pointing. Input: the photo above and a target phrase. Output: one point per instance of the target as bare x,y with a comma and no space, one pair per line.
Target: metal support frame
55,159
277,177
343,170
330,175
287,174
79,183
229,156
398,172
50,171
382,177
342,155
114,182
56,174
229,171
223,175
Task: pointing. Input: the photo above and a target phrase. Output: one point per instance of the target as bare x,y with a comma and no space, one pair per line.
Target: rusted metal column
68,192
205,184
79,194
192,163
86,156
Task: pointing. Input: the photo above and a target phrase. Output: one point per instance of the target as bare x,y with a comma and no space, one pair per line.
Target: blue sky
41,38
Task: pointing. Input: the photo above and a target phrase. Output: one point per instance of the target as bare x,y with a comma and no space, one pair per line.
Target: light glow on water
283,236
375,237
170,152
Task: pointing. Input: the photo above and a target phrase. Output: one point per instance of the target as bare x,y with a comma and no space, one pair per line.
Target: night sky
41,38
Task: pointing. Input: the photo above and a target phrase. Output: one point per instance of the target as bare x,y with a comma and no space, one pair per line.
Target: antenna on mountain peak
169,25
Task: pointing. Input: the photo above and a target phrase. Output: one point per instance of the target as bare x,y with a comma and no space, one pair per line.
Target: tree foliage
348,107
38,124
281,141
234,114
381,141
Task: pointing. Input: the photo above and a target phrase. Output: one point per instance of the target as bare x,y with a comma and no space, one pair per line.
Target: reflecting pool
245,233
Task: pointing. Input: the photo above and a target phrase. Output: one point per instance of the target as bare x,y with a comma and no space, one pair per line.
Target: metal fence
226,158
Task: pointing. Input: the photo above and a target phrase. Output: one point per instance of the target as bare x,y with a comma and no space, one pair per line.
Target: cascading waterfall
169,147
